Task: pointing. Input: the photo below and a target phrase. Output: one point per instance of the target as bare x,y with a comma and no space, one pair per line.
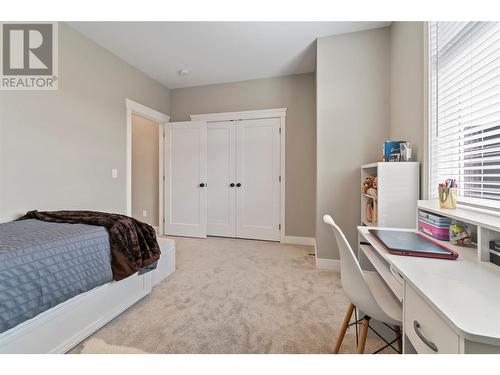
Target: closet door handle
238,185
429,343
202,185
231,184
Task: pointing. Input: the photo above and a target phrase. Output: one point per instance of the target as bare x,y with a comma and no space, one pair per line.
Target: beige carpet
99,346
237,296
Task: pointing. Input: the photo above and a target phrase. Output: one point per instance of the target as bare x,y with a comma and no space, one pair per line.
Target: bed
56,284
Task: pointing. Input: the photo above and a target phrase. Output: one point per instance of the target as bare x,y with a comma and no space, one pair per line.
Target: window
464,109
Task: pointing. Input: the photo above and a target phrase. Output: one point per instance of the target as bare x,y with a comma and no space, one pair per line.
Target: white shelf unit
486,224
398,189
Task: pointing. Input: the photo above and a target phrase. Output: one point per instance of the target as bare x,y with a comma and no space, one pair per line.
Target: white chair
366,290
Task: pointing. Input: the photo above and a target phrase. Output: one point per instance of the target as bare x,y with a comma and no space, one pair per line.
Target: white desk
455,302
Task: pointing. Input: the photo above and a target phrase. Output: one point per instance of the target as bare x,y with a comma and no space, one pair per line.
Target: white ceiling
216,52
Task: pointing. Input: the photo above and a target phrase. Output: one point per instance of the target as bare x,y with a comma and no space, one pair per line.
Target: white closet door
186,179
258,184
221,164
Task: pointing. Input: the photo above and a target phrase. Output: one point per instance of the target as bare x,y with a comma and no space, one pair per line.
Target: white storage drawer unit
166,264
428,332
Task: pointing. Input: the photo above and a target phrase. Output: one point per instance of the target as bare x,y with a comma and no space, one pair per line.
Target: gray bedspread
43,264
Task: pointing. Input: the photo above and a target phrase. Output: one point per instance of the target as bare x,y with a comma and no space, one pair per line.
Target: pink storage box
436,232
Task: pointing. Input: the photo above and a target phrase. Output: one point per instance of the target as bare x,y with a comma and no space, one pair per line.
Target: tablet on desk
411,244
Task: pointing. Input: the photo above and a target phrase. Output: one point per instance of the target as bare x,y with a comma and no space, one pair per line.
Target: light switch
114,173
144,213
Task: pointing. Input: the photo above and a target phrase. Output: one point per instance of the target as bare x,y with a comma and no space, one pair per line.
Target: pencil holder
448,197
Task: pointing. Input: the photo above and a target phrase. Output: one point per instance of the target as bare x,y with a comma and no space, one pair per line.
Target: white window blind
464,110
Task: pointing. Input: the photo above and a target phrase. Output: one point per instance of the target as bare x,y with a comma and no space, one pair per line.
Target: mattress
43,264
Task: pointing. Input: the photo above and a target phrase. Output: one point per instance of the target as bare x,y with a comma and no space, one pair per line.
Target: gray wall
57,148
145,170
297,93
353,82
407,85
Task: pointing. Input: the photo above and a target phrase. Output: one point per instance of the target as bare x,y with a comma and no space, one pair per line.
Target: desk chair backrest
353,280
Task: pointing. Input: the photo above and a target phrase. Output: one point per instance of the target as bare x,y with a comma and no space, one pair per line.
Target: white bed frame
64,326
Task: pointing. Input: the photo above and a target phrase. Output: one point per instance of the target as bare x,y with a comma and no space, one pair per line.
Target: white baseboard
307,241
328,264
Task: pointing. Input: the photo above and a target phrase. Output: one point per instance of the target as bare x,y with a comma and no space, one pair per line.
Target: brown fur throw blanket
133,243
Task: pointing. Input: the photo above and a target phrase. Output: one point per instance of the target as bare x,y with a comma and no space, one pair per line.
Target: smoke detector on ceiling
183,72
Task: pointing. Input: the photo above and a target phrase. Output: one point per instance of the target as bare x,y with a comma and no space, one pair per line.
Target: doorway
149,164
145,170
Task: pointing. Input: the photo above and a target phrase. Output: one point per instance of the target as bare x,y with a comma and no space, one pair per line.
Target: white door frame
258,114
134,108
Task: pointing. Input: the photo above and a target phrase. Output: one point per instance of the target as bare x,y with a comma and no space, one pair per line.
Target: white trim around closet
242,115
160,118
257,114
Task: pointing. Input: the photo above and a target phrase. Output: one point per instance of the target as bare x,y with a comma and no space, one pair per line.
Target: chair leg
362,334
345,323
400,341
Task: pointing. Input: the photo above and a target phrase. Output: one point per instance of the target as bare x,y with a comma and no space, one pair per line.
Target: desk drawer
426,330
